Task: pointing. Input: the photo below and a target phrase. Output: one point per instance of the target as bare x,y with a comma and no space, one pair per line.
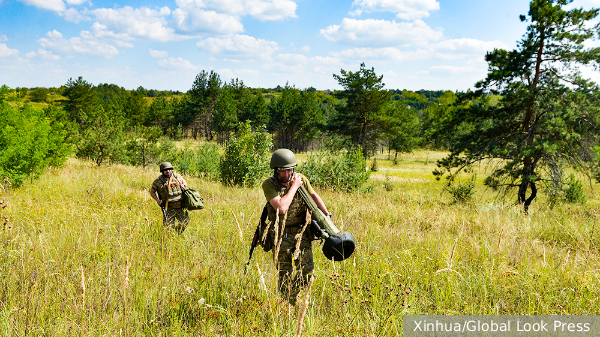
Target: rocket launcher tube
317,214
338,245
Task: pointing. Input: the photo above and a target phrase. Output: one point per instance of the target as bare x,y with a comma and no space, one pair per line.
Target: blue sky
414,44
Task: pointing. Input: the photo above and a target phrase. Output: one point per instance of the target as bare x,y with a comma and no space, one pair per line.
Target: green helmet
165,166
283,158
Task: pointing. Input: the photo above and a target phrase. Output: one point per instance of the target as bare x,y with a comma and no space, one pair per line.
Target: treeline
213,109
107,123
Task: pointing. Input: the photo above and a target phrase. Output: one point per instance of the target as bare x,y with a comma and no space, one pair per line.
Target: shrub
31,140
247,156
574,191
202,162
555,194
141,145
339,170
185,161
39,95
207,161
167,151
387,184
102,136
374,167
462,192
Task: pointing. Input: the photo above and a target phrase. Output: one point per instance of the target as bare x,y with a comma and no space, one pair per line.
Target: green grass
83,251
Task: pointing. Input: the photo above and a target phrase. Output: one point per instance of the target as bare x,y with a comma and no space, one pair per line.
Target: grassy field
83,252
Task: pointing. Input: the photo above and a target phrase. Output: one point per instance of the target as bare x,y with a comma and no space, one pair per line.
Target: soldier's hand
296,181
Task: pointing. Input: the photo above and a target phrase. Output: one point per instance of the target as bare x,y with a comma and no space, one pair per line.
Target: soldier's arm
320,204
283,203
182,181
154,196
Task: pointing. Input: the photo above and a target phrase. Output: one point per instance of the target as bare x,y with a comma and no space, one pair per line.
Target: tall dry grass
83,251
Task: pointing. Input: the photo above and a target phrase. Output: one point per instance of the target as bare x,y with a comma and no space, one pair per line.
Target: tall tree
254,109
135,109
161,113
433,117
364,98
225,113
547,115
202,99
295,116
81,99
400,127
103,136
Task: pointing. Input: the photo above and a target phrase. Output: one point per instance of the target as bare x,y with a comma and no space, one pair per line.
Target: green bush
374,167
387,184
201,162
185,161
4,91
247,156
574,191
338,170
32,139
141,145
167,151
462,192
207,161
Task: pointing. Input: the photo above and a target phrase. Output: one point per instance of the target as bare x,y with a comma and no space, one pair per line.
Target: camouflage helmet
165,166
283,158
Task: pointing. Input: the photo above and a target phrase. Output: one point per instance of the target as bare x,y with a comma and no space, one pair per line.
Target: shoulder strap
273,180
168,186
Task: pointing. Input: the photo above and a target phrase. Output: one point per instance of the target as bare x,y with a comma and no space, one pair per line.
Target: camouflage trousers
294,274
177,219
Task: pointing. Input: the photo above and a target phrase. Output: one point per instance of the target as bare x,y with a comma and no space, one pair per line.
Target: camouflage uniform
290,284
174,195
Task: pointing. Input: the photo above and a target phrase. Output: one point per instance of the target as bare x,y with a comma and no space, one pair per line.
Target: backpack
192,200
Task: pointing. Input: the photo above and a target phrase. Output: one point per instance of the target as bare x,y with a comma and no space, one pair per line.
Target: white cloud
325,60
454,77
269,9
76,2
380,32
260,9
475,68
100,31
386,53
405,9
124,44
159,53
54,34
584,3
472,46
288,63
75,16
3,38
306,49
51,5
453,70
227,73
239,46
176,63
140,22
7,52
198,20
43,54
291,59
86,44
